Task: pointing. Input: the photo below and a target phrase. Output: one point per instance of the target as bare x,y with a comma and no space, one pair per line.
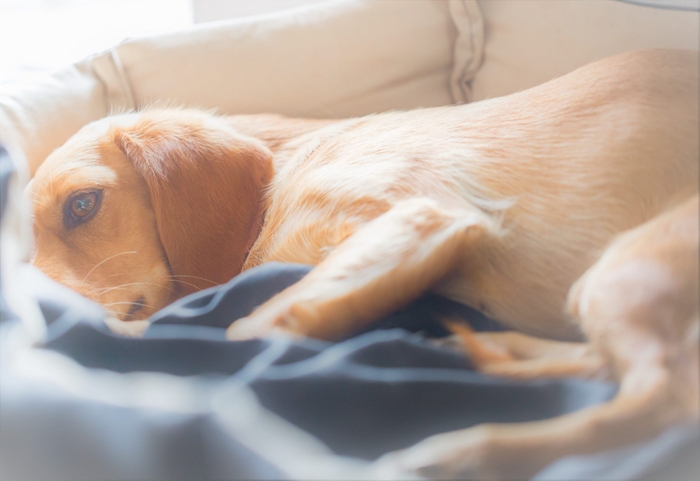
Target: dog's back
567,165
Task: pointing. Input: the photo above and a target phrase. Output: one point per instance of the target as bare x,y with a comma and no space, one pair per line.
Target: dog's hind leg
385,264
519,356
639,307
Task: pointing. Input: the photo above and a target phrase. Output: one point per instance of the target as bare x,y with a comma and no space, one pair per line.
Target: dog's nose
135,307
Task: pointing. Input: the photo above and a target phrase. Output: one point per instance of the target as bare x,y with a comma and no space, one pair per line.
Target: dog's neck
282,135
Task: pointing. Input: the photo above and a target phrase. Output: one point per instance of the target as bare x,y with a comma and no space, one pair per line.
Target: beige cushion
334,59
338,59
38,116
530,42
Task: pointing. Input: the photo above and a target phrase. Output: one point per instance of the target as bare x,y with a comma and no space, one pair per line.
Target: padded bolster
529,43
367,56
332,59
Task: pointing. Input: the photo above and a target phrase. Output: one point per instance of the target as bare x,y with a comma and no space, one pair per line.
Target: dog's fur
501,205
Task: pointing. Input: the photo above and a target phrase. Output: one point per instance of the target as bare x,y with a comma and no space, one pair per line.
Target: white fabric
15,249
677,4
39,116
335,59
339,58
531,42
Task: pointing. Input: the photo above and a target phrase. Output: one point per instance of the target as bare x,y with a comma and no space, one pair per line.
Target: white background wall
208,10
37,36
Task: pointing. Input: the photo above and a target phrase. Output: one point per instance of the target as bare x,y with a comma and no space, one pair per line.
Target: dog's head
137,210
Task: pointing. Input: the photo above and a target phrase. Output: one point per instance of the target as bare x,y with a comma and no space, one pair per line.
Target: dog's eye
81,207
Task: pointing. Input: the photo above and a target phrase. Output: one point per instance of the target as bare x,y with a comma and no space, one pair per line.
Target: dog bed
79,402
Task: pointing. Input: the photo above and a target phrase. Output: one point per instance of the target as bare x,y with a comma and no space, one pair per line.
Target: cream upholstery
339,58
530,42
335,59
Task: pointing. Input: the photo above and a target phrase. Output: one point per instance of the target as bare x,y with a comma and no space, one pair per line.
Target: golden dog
501,205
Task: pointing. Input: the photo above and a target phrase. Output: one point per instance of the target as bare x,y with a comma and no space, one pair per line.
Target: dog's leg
649,400
518,451
639,307
385,264
519,356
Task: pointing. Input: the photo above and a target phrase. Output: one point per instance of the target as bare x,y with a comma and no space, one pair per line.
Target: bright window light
37,36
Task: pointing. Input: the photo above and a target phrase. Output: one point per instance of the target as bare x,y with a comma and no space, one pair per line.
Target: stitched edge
470,34
685,6
108,69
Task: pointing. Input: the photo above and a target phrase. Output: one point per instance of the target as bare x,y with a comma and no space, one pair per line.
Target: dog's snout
136,306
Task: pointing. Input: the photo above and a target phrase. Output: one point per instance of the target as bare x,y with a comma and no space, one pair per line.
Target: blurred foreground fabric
184,403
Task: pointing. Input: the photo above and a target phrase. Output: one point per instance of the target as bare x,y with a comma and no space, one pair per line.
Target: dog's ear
206,185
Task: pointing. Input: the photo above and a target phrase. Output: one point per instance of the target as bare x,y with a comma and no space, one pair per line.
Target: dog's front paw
474,453
275,319
251,328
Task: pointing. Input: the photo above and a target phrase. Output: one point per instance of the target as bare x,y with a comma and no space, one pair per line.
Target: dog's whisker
194,277
118,274
105,290
41,200
101,290
112,275
37,196
102,262
142,304
186,283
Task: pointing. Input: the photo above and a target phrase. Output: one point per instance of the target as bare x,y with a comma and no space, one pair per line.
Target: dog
582,192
